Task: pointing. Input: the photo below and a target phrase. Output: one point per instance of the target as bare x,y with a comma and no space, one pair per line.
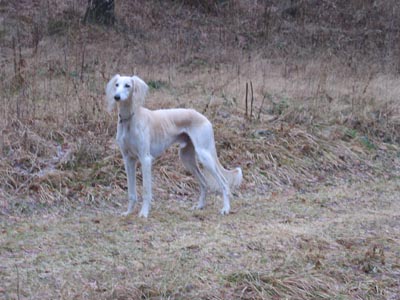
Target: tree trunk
100,12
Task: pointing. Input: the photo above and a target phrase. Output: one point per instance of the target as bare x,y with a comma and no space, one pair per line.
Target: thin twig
247,90
83,50
261,106
252,100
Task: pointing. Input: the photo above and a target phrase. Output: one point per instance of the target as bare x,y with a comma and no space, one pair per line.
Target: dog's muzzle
117,98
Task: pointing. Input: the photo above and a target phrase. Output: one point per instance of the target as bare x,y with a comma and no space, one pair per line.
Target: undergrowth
298,122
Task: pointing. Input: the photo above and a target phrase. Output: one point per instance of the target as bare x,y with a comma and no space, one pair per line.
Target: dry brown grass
336,243
317,214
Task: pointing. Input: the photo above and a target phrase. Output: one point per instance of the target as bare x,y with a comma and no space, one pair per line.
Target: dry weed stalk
247,115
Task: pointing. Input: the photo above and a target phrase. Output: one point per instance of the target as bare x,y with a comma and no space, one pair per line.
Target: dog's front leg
146,162
130,168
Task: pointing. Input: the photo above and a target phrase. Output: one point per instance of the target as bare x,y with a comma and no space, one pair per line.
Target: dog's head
126,88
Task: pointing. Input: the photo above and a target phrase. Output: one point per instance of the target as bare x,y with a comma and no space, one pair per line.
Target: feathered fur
144,134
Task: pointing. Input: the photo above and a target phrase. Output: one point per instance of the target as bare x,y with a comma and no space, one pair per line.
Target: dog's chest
127,141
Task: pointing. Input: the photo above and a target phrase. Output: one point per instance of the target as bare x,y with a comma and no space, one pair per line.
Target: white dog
144,134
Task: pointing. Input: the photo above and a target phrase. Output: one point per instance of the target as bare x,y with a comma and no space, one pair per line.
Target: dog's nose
117,97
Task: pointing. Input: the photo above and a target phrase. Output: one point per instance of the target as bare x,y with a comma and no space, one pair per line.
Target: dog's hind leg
130,167
208,162
188,157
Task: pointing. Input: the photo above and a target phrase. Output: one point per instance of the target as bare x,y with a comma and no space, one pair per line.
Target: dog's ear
110,88
140,89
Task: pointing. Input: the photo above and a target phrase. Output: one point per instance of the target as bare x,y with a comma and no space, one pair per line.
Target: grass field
339,242
318,213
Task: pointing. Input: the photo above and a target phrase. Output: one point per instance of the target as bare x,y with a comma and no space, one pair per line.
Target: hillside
318,144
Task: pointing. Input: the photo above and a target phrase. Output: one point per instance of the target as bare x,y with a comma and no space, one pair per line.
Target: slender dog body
143,135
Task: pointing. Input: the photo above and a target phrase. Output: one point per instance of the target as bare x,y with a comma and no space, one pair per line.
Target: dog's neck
125,112
125,119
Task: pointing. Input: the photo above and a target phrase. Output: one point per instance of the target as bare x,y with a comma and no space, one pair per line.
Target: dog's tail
233,177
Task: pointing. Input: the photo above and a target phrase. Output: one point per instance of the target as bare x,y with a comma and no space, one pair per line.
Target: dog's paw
127,213
143,214
225,211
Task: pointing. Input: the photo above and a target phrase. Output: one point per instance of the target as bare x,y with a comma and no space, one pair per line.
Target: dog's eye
117,84
127,86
